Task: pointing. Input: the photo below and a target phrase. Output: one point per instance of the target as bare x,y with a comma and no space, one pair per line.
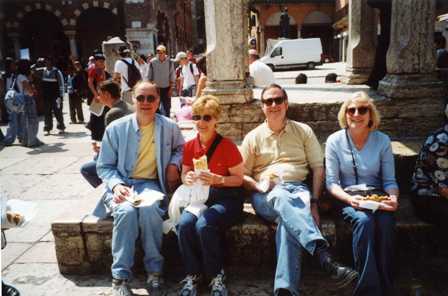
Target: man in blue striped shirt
53,93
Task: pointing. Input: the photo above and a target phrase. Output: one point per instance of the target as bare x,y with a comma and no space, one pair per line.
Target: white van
291,53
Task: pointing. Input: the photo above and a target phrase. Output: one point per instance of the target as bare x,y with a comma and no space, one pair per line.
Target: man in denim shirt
140,153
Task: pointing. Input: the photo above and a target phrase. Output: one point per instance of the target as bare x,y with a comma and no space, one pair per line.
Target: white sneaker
154,285
189,288
217,285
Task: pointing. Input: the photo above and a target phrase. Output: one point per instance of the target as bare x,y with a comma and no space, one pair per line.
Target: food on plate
15,218
376,197
200,163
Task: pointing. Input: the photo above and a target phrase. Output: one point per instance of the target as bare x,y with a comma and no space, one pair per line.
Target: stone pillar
299,31
411,59
71,35
361,46
226,30
16,41
226,23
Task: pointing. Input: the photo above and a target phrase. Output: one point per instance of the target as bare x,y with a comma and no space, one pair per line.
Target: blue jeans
128,222
88,171
23,125
373,246
296,230
201,237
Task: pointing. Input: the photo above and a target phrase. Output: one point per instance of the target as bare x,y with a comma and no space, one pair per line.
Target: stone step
83,241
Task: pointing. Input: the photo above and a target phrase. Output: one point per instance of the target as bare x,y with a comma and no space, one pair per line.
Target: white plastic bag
16,212
190,198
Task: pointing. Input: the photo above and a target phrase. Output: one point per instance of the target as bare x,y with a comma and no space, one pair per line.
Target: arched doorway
94,26
272,27
44,35
318,25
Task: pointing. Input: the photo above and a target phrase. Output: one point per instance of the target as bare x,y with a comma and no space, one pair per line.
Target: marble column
226,30
71,35
411,58
361,47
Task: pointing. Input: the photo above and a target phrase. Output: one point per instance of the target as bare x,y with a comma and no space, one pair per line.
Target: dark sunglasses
149,98
278,101
361,110
203,117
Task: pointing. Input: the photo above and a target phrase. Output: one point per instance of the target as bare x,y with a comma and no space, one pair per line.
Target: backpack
14,100
134,74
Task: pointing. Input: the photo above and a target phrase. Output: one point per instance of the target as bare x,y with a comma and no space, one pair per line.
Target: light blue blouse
375,161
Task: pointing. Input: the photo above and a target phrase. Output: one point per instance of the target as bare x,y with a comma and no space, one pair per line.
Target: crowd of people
141,157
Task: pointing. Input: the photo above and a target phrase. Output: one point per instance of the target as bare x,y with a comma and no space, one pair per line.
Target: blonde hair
360,97
207,104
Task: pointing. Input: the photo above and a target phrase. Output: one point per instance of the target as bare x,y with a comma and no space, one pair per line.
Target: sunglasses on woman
203,117
361,110
149,98
270,101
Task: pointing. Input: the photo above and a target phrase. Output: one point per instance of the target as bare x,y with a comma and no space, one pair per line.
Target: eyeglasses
148,98
270,101
361,110
206,118
160,51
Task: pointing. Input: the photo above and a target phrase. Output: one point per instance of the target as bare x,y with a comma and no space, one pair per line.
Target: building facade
74,28
307,19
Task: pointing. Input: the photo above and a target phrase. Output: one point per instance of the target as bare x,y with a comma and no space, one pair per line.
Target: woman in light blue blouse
359,154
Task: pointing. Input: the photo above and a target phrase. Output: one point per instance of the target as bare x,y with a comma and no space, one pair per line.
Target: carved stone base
356,75
411,86
229,92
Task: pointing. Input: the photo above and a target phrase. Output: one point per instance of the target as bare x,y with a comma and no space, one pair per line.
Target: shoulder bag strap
213,146
355,169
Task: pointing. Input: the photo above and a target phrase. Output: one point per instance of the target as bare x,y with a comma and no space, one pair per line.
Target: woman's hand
190,178
208,178
354,201
390,205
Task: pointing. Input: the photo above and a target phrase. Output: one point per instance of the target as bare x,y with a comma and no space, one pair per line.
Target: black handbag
363,192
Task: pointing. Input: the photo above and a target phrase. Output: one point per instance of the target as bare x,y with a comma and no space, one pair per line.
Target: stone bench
83,245
83,242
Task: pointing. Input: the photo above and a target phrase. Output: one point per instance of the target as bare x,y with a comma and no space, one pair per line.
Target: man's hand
95,147
315,213
121,192
172,178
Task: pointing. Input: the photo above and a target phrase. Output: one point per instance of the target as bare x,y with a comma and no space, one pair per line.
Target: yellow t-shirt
146,164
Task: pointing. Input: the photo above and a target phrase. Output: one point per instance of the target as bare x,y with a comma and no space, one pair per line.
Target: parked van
291,53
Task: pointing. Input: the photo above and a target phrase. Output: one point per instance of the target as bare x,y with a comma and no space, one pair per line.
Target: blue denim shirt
375,161
119,150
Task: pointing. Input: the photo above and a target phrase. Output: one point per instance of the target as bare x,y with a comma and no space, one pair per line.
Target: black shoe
343,275
284,292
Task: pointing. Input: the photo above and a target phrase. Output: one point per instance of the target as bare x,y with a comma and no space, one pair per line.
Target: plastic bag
16,212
